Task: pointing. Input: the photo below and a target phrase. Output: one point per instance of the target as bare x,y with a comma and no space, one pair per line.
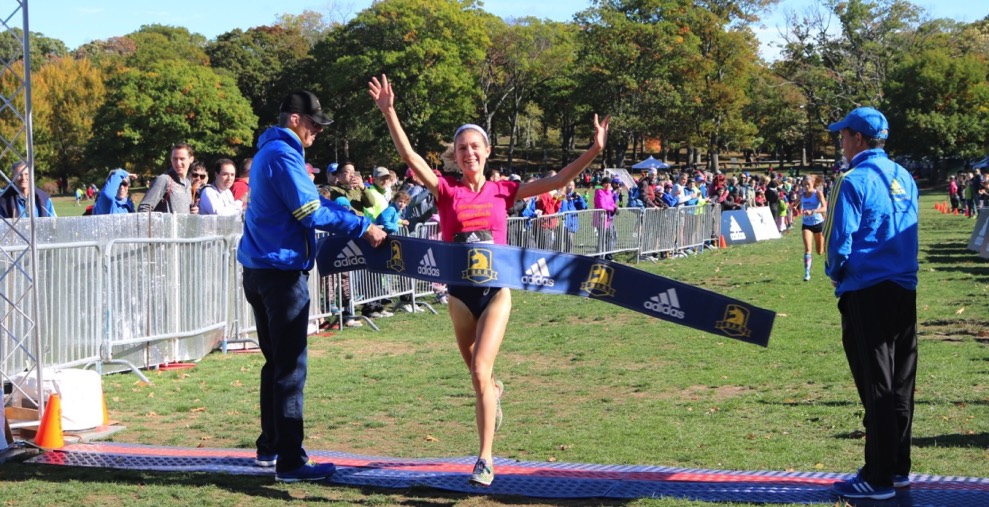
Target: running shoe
857,487
353,323
498,414
901,481
266,460
311,471
385,314
482,475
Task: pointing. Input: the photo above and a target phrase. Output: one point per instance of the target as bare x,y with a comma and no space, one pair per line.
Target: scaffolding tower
21,350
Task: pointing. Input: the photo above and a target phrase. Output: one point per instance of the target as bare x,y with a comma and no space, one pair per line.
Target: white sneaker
353,323
408,308
375,315
385,314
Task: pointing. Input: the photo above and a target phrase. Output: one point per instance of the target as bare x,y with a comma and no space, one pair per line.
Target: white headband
471,126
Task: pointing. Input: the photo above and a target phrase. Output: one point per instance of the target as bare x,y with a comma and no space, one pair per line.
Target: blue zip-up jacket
286,208
108,203
871,227
389,219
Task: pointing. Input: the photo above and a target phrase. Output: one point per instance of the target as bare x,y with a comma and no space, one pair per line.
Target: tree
13,126
149,110
155,43
717,80
107,53
259,59
840,70
494,83
778,110
633,54
430,49
938,105
67,93
42,48
310,25
534,52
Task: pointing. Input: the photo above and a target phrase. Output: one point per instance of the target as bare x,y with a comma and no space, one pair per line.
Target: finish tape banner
488,265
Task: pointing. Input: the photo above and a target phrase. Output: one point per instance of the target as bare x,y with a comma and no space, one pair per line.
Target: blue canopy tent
651,163
981,164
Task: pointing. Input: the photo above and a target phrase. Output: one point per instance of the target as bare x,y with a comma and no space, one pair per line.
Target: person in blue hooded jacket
115,195
871,240
277,250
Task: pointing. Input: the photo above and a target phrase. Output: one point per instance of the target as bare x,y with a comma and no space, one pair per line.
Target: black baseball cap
304,102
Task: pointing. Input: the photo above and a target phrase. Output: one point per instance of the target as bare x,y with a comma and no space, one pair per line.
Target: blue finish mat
532,479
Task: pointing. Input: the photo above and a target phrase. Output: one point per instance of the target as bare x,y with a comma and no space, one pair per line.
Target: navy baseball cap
865,120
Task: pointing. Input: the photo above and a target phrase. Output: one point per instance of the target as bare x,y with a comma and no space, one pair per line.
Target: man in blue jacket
872,243
277,251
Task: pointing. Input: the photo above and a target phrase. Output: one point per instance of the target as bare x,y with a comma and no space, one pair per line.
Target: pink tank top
463,210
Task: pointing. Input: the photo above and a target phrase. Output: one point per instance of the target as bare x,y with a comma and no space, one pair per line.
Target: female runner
813,205
475,209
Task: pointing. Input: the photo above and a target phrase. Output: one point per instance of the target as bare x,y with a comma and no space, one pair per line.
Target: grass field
585,382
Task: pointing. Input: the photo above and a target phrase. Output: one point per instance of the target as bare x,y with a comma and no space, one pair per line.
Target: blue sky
76,22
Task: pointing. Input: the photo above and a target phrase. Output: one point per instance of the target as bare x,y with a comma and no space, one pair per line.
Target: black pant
280,300
879,334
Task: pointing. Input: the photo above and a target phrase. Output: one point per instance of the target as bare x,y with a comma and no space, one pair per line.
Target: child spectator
391,218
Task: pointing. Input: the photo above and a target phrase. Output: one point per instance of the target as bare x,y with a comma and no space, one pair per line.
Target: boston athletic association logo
396,263
599,281
735,322
479,266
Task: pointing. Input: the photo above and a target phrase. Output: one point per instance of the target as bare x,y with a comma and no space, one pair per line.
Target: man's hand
375,235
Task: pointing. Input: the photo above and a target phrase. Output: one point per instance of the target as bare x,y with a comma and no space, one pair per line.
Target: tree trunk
511,137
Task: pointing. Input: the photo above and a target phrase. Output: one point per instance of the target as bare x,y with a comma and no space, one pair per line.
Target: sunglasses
200,176
124,184
317,127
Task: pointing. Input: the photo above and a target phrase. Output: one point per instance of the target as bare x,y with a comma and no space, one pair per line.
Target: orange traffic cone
721,242
956,211
50,431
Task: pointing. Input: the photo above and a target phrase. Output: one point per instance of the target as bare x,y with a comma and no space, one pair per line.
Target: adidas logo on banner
427,266
538,274
350,256
735,231
666,303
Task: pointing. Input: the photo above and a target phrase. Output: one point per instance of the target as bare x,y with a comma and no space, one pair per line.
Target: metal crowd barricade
241,326
618,233
70,287
546,232
583,234
694,226
520,232
659,230
163,291
421,289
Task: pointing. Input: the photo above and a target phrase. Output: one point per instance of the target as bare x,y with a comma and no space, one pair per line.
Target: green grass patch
585,382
